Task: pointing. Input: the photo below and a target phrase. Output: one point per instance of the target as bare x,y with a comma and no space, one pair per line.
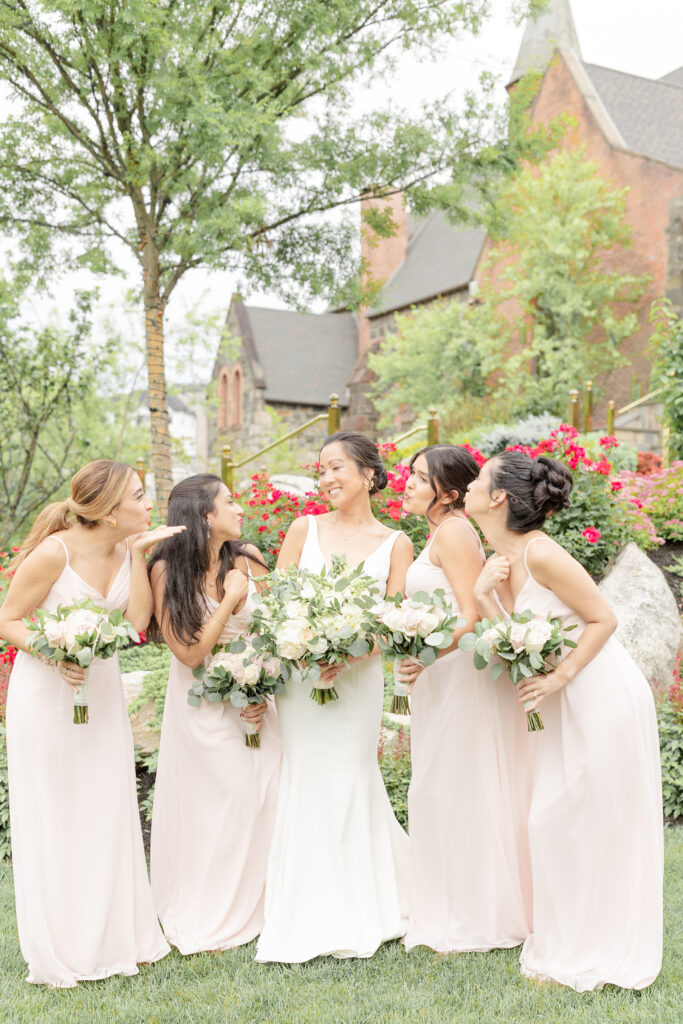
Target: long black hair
187,555
534,488
450,468
364,453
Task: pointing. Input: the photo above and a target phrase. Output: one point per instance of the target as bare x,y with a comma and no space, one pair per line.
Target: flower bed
659,494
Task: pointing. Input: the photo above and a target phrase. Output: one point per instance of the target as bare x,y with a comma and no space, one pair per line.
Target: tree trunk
155,307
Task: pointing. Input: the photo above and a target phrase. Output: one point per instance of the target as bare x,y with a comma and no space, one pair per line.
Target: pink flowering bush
659,495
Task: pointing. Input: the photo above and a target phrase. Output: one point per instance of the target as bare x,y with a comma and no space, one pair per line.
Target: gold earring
112,523
369,482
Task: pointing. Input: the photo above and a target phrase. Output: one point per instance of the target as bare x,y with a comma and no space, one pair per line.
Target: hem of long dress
586,981
414,939
127,970
209,946
338,953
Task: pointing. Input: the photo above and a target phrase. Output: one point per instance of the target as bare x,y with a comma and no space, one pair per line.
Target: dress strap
60,541
528,571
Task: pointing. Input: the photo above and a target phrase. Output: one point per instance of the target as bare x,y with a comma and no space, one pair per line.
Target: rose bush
659,495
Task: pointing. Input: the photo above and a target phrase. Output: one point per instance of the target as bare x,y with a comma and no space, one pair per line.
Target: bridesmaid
337,873
466,869
595,824
84,906
214,799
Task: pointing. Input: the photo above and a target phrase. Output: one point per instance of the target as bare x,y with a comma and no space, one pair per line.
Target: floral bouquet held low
241,674
79,633
415,628
526,646
309,618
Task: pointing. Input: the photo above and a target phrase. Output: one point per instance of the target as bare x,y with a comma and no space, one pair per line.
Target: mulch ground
664,557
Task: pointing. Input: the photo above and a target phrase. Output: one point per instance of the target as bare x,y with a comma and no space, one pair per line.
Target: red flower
617,485
262,529
475,453
591,534
603,466
609,442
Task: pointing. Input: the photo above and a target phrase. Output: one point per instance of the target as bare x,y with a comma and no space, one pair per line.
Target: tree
667,373
217,135
549,311
51,408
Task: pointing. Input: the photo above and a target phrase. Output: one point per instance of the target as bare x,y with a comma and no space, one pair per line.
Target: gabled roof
648,113
440,259
674,77
300,358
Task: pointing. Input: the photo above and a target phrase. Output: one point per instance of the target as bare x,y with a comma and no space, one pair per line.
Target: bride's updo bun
534,488
364,453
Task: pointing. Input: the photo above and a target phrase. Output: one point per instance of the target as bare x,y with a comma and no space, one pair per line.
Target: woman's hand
254,712
408,672
496,570
138,543
72,674
328,673
235,587
532,691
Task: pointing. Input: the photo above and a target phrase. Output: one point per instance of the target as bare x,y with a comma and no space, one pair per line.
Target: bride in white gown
337,879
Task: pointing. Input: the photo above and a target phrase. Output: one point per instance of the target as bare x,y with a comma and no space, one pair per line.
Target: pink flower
591,534
609,442
617,485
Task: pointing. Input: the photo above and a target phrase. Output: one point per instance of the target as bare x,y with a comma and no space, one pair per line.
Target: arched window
235,400
223,388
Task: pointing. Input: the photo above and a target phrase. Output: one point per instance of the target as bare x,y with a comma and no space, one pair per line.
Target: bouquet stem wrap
399,701
81,702
252,738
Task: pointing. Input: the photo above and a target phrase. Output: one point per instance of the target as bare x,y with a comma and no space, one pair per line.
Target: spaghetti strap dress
337,879
213,815
469,862
595,823
83,900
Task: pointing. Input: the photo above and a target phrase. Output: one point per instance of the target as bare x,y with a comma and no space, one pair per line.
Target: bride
337,877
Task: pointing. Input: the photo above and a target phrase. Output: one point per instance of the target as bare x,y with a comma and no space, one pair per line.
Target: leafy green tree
549,311
667,343
218,135
51,408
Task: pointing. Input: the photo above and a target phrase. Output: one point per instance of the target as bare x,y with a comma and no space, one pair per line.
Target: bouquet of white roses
526,646
416,628
78,633
306,618
239,673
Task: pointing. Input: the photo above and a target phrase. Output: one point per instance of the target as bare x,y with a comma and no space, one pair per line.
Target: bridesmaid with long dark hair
214,800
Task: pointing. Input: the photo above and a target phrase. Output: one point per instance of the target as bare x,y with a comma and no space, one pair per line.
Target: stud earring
112,523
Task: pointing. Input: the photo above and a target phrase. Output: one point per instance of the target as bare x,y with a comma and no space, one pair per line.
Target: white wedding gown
338,875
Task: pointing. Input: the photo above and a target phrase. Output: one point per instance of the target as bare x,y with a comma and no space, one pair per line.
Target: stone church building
631,126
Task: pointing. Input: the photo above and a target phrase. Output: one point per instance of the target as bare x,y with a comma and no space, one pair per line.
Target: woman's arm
235,588
293,544
27,591
553,567
140,599
494,576
401,560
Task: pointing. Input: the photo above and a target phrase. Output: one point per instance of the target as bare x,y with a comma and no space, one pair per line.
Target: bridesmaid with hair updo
84,906
471,765
595,822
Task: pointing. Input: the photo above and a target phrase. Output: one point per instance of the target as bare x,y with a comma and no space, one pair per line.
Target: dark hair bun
552,483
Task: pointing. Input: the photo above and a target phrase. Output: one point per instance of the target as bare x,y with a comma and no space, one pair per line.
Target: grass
391,988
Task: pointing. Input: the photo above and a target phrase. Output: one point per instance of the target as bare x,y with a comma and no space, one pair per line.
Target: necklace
345,536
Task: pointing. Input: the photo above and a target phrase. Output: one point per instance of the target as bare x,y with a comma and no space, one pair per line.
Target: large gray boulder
649,621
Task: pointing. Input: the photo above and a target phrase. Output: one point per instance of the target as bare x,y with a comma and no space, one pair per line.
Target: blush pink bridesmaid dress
84,905
468,799
595,824
213,817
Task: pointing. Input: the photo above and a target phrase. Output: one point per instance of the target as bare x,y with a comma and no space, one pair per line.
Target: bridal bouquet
78,633
415,628
239,673
306,618
526,646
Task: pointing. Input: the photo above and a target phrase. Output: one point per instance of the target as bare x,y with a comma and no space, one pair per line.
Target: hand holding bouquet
78,633
415,627
308,619
526,646
241,674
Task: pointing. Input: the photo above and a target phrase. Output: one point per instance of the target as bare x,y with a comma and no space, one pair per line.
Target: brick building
631,126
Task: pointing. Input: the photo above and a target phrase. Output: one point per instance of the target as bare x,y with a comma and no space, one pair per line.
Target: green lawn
392,987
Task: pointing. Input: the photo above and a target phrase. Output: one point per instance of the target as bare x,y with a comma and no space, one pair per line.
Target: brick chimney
381,256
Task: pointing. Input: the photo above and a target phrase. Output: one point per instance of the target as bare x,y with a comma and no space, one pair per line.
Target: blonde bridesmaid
468,855
84,906
214,800
595,822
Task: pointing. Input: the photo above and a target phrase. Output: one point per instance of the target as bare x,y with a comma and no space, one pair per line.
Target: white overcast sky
642,37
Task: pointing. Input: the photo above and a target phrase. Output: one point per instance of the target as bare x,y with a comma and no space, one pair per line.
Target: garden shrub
5,846
659,494
395,765
670,721
528,431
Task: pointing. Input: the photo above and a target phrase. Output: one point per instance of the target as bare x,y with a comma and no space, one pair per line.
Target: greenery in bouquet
240,673
307,618
415,627
525,645
79,633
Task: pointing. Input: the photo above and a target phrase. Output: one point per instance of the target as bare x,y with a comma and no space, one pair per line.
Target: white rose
410,620
393,618
308,591
295,609
428,623
54,631
517,635
535,641
272,667
293,639
79,623
318,646
251,675
491,636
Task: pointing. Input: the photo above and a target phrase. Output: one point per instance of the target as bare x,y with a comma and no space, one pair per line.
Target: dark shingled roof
305,357
440,259
647,113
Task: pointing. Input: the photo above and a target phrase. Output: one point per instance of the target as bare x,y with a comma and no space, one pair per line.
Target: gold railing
431,426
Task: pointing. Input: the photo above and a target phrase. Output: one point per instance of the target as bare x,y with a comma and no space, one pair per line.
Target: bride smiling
337,878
